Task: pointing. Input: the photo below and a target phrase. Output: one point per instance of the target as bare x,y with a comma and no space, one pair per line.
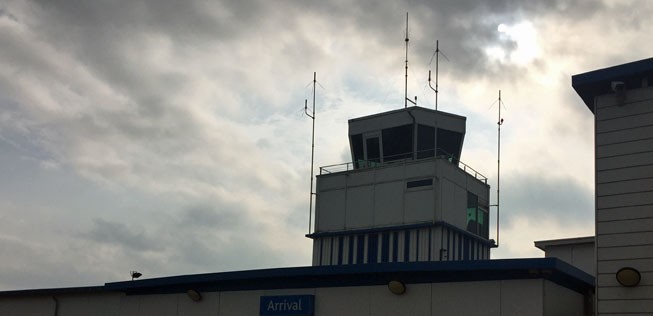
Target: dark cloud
4,13
213,218
120,234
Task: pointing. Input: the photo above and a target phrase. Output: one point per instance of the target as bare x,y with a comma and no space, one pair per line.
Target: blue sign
303,305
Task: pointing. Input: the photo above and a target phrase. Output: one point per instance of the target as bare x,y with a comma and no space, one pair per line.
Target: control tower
404,197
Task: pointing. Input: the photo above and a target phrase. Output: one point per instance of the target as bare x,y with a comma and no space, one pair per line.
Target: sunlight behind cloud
523,36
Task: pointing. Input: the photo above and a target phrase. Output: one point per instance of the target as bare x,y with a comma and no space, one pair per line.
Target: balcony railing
393,161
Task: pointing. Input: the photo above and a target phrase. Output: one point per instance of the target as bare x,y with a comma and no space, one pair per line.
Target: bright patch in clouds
524,38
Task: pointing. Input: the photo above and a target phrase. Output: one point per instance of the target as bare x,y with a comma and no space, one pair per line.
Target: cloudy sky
169,137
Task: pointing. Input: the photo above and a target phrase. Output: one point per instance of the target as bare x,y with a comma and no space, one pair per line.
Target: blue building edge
598,82
551,269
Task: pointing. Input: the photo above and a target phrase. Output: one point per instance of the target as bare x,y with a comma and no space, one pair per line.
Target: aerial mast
406,99
312,116
436,54
499,123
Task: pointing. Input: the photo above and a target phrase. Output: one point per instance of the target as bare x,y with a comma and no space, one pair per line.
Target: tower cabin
404,197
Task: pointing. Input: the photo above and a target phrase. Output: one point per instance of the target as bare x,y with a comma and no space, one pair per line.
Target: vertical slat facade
624,199
410,245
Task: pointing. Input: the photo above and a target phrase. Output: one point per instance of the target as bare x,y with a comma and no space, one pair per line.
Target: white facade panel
518,297
447,195
420,171
158,305
609,107
389,204
331,182
621,136
620,292
624,148
625,161
627,122
468,298
129,305
388,173
626,307
624,200
637,172
83,305
580,256
208,306
616,265
342,301
625,226
240,303
360,207
625,252
330,212
625,239
460,203
363,178
560,301
416,301
419,206
27,306
626,186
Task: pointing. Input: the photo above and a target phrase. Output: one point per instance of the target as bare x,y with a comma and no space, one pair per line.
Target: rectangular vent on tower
419,183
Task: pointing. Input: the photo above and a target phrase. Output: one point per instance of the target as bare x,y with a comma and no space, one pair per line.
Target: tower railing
401,159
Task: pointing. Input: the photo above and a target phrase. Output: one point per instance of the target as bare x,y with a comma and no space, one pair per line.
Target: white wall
504,298
624,199
378,197
578,255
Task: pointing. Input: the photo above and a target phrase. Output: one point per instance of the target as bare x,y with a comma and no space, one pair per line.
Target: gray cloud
175,134
540,198
122,235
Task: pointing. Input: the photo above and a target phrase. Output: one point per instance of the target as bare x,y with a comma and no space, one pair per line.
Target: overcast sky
169,137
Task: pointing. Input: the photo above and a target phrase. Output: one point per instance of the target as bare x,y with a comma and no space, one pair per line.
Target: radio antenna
312,116
406,99
499,123
436,54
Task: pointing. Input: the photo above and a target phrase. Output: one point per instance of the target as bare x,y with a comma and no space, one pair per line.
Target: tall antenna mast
437,63
406,99
312,116
436,54
499,123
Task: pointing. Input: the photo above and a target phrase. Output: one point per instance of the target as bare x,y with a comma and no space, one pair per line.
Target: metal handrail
368,164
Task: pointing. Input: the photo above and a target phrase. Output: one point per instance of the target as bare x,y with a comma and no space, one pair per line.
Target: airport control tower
404,197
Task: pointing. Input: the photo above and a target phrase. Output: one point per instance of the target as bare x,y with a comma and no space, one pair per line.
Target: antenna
499,123
406,99
436,54
312,116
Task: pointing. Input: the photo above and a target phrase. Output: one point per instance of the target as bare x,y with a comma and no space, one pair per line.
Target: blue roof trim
480,239
366,274
54,291
594,83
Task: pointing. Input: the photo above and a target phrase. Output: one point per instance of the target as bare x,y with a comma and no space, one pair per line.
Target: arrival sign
302,305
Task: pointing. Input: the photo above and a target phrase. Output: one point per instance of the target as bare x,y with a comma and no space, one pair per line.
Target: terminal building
403,229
